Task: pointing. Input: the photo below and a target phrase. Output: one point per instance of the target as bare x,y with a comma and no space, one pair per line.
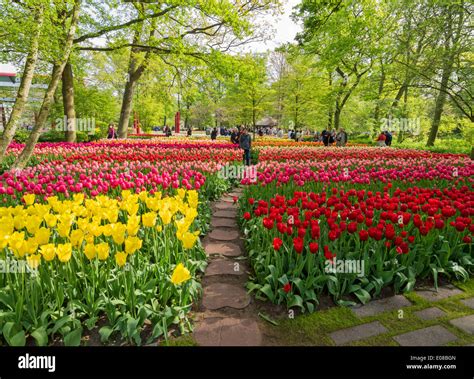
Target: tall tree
58,68
35,23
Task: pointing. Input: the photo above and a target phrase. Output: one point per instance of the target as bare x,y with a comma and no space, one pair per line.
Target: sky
285,29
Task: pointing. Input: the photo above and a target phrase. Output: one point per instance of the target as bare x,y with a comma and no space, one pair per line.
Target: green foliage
56,136
21,135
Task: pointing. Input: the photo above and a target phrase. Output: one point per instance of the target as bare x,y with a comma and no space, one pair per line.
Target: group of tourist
329,137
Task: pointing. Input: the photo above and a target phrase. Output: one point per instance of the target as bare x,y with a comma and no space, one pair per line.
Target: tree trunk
379,96
440,100
126,110
337,116
26,153
25,85
68,103
401,135
134,74
330,110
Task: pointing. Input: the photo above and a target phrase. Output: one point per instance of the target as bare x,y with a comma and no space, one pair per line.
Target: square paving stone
443,293
383,305
431,336
468,302
465,323
360,332
430,313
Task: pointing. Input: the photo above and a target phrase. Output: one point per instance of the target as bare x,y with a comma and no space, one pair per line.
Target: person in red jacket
381,139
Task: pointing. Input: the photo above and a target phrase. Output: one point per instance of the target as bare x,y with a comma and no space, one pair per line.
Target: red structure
136,123
177,119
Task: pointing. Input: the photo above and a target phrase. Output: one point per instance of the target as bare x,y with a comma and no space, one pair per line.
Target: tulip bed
104,238
402,215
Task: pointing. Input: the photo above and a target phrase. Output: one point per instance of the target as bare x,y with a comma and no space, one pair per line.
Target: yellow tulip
31,246
42,236
165,216
120,258
50,219
107,230
152,203
143,195
19,221
126,194
33,260
189,240
89,238
133,225
193,198
29,199
33,224
132,208
83,223
118,233
149,219
64,229
48,252
17,244
64,252
78,198
7,226
132,244
90,251
181,193
52,200
77,236
103,250
95,229
159,228
112,215
180,274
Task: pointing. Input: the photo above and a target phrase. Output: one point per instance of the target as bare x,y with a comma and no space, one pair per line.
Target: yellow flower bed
56,230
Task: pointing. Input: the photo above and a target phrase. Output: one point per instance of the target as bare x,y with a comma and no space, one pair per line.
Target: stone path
226,316
437,335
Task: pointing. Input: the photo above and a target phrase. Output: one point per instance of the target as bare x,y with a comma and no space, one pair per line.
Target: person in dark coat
388,140
325,137
234,136
214,134
245,143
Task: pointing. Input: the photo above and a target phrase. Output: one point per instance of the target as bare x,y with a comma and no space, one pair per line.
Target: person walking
341,138
245,143
234,136
381,140
388,139
325,137
111,134
214,134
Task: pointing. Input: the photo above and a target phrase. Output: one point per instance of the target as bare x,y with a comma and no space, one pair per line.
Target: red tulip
277,242
298,244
